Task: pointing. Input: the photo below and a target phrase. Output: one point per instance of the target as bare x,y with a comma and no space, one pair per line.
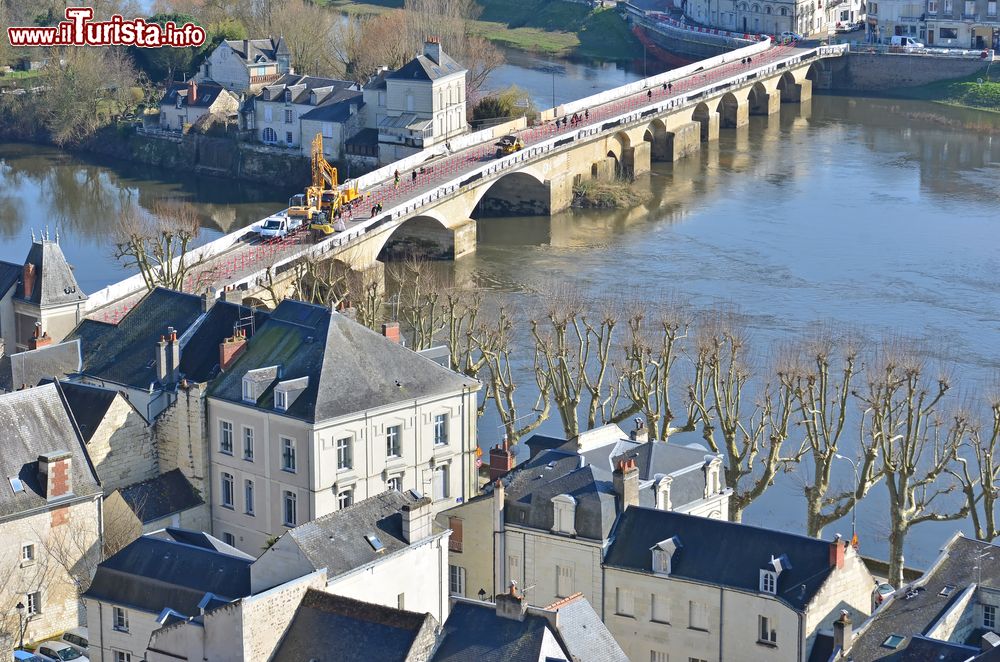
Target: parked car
58,651
25,656
274,226
905,43
77,638
790,36
882,593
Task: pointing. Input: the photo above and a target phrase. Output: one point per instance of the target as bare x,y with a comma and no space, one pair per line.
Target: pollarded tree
980,481
156,243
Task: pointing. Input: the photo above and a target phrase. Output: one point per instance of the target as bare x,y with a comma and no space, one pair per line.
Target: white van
905,42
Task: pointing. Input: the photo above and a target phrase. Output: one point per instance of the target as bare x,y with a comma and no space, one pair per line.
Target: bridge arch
757,97
728,110
520,193
425,237
257,303
660,140
703,115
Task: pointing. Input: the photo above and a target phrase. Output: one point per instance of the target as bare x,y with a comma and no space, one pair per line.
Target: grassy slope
554,27
959,92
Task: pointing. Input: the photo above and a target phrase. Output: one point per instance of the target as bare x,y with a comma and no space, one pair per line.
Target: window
281,400
948,33
989,617
33,601
456,580
288,454
229,539
441,482
696,659
269,135
267,118
768,582
624,602
288,509
227,490
893,641
248,443
120,619
658,656
441,429
767,633
564,581
661,561
122,656
248,496
970,8
288,137
931,6
513,567
455,540
27,553
344,453
15,484
659,609
226,437
947,6
288,116
327,129
288,93
392,446
564,514
345,498
395,483
697,616
249,392
991,8
401,601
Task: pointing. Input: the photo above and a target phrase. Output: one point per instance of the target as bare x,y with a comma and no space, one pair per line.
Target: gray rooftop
32,367
10,274
157,572
32,422
583,634
351,368
88,404
337,541
54,284
721,553
161,497
333,628
259,50
474,631
422,67
957,566
207,93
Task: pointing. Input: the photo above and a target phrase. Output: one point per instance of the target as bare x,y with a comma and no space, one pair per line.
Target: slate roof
337,541
32,367
269,48
32,422
10,274
336,108
956,566
153,574
88,405
377,82
198,539
161,497
208,93
721,553
529,489
200,354
124,353
333,628
584,634
350,368
366,137
302,87
475,632
54,284
422,67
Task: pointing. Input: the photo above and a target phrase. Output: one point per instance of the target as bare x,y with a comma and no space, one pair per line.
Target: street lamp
482,594
854,506
20,623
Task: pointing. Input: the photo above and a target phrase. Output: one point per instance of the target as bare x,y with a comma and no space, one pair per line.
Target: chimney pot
417,520
626,482
391,331
837,549
501,460
230,349
511,604
842,634
55,474
28,279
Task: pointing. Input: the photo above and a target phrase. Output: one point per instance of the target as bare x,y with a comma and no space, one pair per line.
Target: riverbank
965,92
552,27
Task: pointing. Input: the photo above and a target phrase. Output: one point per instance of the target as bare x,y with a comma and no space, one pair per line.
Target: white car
790,36
274,226
78,639
58,651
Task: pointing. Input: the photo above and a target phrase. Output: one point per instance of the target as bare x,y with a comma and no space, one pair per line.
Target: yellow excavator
325,190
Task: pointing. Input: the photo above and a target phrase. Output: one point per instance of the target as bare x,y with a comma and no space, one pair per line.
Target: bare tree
979,483
915,445
157,243
822,393
310,32
749,438
420,300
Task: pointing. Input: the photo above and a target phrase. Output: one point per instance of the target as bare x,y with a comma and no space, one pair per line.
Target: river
865,213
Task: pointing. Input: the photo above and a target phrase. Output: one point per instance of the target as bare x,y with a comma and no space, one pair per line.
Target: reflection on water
41,187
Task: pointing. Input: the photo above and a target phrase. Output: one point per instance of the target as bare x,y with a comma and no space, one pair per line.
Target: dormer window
288,96
663,493
180,101
663,554
248,391
286,392
768,582
280,400
564,514
255,382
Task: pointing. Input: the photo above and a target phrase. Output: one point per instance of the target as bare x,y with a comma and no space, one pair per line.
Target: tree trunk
897,536
814,508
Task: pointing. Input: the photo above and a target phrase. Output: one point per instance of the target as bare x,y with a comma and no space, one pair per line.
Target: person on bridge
395,179
649,94
670,87
378,208
413,177
374,210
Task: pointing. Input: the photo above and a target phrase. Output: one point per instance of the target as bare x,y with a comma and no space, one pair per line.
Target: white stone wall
277,122
181,438
533,557
477,552
226,68
122,447
105,639
64,538
849,588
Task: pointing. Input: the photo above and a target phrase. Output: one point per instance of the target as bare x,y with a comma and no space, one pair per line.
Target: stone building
247,64
771,17
190,103
688,587
971,24
50,508
275,114
316,412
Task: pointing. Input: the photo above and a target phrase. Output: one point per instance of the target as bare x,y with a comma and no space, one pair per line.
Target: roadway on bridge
253,255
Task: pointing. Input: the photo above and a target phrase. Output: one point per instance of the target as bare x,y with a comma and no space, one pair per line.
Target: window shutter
455,542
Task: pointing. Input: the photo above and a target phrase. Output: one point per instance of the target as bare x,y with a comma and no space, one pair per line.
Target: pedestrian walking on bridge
395,179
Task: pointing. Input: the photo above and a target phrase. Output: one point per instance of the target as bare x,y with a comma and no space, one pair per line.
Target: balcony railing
263,80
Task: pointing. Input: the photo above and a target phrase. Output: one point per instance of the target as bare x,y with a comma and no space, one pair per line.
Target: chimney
173,356
391,331
192,92
837,553
28,279
511,604
55,475
207,300
842,634
640,433
39,339
626,482
162,369
233,296
231,348
417,520
246,49
501,460
432,49
499,494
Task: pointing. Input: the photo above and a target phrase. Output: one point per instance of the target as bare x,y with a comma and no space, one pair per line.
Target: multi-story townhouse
50,514
971,24
275,115
760,16
185,104
317,411
682,587
242,64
